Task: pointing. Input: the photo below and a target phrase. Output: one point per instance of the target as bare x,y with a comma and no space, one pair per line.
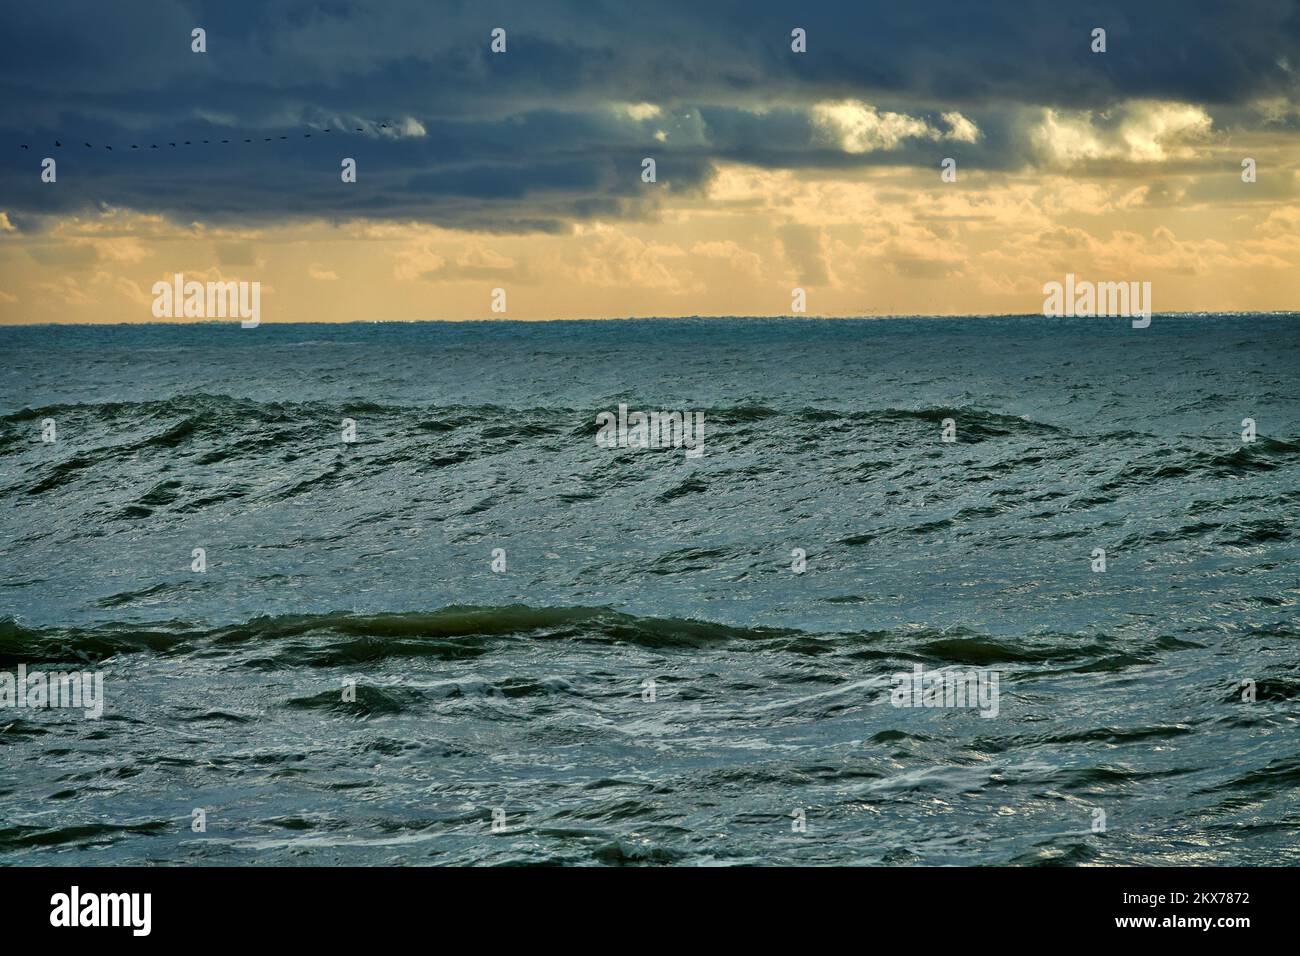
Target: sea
374,593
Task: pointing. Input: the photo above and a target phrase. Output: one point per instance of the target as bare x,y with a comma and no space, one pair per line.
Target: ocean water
649,680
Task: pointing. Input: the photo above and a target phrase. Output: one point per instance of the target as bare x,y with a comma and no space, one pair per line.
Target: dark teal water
523,690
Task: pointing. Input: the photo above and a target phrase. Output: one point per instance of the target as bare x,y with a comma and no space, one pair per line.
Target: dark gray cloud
530,139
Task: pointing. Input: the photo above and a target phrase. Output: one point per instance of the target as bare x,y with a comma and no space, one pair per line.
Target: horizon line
648,318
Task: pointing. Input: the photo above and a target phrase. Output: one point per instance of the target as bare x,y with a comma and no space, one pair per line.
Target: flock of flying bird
188,142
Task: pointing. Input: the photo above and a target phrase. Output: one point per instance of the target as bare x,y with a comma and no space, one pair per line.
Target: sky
522,170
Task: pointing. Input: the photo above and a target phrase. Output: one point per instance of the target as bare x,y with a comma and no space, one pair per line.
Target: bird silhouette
209,142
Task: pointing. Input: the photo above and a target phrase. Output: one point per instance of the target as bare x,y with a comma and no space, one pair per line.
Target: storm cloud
553,131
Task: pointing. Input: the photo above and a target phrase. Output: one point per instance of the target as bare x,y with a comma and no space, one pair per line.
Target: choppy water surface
524,690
